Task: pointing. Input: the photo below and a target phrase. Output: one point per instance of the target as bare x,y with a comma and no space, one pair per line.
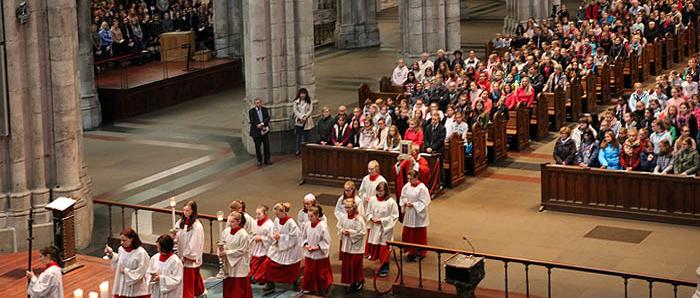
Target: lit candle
78,293
93,295
104,288
173,203
220,219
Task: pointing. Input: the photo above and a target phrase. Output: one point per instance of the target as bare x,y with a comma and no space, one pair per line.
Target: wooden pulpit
465,273
176,46
64,231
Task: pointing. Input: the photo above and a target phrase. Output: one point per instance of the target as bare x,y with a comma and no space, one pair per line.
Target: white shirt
316,236
170,273
237,250
49,284
354,243
419,196
286,250
132,282
340,208
577,135
368,188
190,244
388,212
260,248
399,76
424,65
459,128
303,218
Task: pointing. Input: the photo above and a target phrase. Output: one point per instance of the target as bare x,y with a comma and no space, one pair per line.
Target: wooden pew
603,84
644,65
630,72
539,127
476,163
589,96
650,53
332,166
683,45
616,79
573,102
496,138
658,57
692,40
677,56
363,93
518,128
556,108
453,163
385,85
632,195
667,53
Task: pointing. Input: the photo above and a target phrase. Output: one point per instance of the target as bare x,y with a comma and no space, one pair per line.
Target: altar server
414,202
236,255
369,183
382,214
165,270
261,242
239,206
351,230
318,275
49,284
302,216
190,245
130,264
349,192
284,254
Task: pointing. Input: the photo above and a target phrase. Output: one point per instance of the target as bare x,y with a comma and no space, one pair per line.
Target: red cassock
276,272
378,252
401,176
351,270
237,287
257,271
417,236
192,283
318,275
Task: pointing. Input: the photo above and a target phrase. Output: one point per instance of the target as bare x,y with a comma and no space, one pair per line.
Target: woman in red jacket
631,151
525,93
414,133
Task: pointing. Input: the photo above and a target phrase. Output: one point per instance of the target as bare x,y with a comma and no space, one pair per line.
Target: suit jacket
434,138
254,121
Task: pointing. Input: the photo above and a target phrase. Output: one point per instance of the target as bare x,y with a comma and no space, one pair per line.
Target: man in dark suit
259,119
434,135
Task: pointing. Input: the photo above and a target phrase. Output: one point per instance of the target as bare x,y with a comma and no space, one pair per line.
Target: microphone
470,244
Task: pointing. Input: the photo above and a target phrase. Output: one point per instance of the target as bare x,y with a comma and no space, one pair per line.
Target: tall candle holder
220,218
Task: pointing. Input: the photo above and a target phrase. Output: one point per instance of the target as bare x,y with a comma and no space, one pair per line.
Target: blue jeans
302,136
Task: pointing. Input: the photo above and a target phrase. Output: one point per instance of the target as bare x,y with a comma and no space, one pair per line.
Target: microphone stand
30,239
470,244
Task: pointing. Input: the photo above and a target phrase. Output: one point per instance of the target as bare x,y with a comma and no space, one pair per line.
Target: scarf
128,249
373,177
262,221
314,224
235,230
52,264
165,257
381,199
284,220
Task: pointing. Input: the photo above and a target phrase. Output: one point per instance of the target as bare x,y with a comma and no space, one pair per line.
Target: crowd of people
269,248
130,26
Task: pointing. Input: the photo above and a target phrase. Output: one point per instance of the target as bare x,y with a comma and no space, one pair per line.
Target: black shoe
384,270
260,163
351,289
268,162
269,288
361,285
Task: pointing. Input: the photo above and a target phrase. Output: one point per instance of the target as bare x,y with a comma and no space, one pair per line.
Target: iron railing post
505,269
439,266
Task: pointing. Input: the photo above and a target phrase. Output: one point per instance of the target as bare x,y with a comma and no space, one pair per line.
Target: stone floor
193,151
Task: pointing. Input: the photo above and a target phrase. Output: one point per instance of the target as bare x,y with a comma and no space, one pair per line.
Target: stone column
228,29
90,105
42,158
463,10
519,11
356,24
279,50
428,25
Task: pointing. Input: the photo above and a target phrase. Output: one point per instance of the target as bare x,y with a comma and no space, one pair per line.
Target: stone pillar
228,29
356,24
90,105
463,10
428,25
279,59
41,158
519,11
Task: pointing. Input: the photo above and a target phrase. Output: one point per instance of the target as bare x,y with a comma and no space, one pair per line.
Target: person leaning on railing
564,148
686,161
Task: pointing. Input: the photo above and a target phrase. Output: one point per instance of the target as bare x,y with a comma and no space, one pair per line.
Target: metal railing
527,263
123,207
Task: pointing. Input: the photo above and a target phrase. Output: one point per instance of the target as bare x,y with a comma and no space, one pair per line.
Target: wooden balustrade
633,195
496,138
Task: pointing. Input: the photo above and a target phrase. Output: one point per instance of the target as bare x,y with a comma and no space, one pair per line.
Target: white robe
249,224
354,243
285,250
260,248
303,218
237,249
419,196
388,212
133,281
697,291
170,273
190,244
48,284
340,207
368,188
316,236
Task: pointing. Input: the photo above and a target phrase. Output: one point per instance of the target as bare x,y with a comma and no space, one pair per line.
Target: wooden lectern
465,273
176,46
64,231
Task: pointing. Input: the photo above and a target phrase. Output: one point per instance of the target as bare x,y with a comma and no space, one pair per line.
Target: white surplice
190,244
170,277
260,248
340,207
133,280
49,284
419,196
354,242
237,250
286,250
316,236
388,213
